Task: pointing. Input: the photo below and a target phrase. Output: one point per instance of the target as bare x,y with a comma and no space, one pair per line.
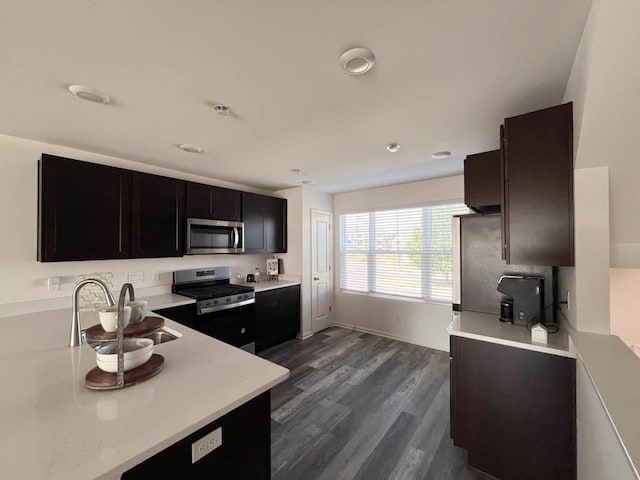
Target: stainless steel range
223,310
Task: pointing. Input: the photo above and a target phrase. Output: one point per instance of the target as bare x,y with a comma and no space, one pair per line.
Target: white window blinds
403,252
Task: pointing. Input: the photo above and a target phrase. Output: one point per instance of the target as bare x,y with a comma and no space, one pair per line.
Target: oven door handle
218,308
236,237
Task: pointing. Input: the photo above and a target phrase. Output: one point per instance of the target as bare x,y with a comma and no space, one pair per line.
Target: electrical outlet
207,444
136,277
156,276
53,284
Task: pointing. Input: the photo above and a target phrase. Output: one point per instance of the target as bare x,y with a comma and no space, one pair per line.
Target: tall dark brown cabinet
537,167
158,216
84,210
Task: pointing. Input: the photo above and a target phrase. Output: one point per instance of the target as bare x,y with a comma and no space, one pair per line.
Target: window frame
426,251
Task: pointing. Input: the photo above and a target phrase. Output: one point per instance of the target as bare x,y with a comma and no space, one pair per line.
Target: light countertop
167,300
52,427
486,327
270,285
615,373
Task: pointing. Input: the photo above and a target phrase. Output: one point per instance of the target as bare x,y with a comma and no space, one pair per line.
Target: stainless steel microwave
214,236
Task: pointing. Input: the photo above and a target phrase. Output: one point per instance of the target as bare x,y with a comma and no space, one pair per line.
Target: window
404,252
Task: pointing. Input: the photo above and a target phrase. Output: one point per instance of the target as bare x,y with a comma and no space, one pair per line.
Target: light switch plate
53,284
136,277
207,444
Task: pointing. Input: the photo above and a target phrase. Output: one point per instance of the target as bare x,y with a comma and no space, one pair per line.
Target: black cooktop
214,291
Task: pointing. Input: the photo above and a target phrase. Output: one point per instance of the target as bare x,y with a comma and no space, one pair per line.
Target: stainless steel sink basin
161,336
158,337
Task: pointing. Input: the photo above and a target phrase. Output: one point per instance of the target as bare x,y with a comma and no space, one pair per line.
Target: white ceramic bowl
138,310
137,351
109,318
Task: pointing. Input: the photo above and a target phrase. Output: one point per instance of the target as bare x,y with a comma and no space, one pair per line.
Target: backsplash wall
24,279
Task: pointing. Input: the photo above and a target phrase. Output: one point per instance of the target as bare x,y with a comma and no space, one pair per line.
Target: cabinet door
253,218
514,410
539,187
198,200
225,204
289,318
84,211
482,181
267,306
245,452
275,224
158,216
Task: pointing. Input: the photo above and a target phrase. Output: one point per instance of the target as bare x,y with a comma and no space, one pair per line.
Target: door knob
316,278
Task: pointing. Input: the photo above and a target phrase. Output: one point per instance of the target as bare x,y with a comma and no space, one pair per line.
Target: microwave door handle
236,237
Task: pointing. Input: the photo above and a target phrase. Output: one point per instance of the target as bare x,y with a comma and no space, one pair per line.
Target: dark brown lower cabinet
245,453
513,410
277,316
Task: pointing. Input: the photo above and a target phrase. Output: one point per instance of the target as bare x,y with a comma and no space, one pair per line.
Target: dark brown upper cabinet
537,169
158,216
84,211
213,203
482,182
275,224
265,223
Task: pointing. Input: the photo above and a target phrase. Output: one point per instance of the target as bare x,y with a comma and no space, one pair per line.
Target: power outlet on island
207,444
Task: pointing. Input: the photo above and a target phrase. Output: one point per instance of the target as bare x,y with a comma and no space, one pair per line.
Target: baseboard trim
383,334
304,336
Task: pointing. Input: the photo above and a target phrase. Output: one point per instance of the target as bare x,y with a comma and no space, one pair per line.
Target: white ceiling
447,73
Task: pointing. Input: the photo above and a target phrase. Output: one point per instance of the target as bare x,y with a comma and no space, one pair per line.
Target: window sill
394,297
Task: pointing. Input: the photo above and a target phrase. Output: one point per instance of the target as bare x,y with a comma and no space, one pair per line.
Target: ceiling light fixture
190,148
309,182
296,170
393,147
90,94
222,110
441,155
357,61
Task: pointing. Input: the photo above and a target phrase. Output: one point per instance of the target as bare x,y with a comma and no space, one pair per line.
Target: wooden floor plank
361,406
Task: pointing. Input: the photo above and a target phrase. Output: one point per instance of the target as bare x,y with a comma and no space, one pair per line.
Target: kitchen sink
161,336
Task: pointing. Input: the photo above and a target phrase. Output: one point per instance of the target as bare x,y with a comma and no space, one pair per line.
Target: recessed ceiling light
190,148
393,147
90,94
296,170
357,61
222,110
309,182
441,155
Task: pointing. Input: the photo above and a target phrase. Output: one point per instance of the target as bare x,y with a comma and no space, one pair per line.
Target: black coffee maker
523,302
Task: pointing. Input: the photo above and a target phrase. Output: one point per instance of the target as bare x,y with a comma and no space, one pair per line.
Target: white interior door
321,272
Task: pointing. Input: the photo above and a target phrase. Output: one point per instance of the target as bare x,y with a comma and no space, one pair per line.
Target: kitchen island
53,427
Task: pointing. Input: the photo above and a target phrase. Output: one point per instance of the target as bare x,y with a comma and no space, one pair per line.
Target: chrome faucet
75,339
126,288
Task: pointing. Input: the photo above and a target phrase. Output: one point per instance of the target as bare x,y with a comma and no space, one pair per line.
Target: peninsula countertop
487,327
53,427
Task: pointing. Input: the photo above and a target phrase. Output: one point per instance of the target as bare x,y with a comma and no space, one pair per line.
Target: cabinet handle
243,330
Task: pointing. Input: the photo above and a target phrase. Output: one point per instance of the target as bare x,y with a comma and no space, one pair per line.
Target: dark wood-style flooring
359,406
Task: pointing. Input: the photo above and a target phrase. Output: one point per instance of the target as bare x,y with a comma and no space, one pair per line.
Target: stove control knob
228,299
215,302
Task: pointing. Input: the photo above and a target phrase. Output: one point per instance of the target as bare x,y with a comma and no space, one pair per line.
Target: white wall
600,453
413,321
588,281
301,201
23,279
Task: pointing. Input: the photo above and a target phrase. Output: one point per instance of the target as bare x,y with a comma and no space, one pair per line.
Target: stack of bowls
137,351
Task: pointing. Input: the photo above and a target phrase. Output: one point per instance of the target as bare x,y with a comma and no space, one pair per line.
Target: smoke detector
89,94
357,61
